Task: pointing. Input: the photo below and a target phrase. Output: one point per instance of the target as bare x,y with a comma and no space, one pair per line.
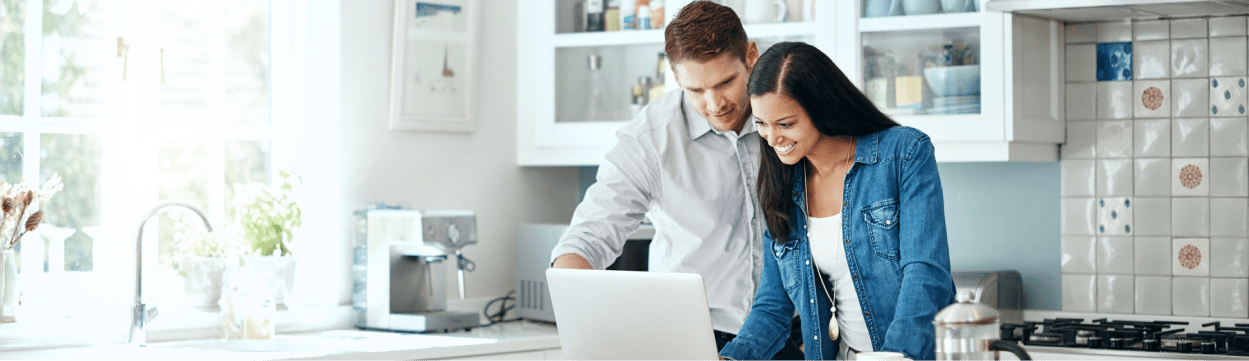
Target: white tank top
828,253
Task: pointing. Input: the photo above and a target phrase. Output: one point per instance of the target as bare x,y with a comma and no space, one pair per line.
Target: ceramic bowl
958,6
949,81
920,7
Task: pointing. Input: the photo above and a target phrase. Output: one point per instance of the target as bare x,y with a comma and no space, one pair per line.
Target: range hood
1105,10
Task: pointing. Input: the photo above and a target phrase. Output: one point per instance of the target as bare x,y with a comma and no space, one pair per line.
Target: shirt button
867,314
804,226
886,221
812,300
854,277
808,262
847,241
817,338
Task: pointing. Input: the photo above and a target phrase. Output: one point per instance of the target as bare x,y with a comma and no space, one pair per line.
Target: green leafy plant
268,216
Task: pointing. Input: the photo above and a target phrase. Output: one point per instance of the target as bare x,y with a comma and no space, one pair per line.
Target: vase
8,286
281,269
203,279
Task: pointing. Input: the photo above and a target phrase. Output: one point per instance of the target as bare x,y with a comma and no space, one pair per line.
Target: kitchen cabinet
568,113
1017,113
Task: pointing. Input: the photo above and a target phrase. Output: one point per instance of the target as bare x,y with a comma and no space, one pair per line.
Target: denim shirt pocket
883,218
786,254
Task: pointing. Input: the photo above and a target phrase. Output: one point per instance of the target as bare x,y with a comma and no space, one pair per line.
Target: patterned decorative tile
1229,217
1227,26
1190,137
1082,100
1078,178
1228,297
1190,217
1152,99
1079,255
1153,218
1228,137
1189,58
1114,216
1115,294
1152,177
1190,257
1190,177
1078,216
1229,177
1190,98
1114,139
1227,56
1153,295
1190,296
1229,257
1114,100
1153,256
1079,293
1227,97
1082,62
1114,61
1152,137
1115,255
1189,28
1152,59
1082,141
1114,177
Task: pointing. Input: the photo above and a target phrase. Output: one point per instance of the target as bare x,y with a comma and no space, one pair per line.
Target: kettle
968,330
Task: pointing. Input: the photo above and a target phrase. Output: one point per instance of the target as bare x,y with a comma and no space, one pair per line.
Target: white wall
429,170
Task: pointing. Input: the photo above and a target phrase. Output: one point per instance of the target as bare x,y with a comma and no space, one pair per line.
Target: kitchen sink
275,345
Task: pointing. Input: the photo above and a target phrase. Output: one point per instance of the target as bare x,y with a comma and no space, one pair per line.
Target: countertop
503,338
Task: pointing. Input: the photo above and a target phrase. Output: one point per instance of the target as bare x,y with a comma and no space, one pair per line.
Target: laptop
628,315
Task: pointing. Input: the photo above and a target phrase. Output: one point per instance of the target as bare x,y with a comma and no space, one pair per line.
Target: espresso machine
400,264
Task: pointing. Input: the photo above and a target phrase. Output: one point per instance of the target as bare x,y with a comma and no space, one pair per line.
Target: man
690,161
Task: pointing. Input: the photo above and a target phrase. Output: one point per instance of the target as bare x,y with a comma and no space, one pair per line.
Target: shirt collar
698,125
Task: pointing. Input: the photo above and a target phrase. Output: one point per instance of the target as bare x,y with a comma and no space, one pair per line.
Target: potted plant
21,211
202,258
267,217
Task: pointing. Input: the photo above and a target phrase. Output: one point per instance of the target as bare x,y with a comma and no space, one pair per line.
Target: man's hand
571,260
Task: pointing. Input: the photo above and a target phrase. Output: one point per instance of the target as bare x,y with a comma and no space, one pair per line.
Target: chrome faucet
142,312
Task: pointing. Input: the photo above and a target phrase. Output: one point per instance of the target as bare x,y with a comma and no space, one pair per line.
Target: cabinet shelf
636,37
919,22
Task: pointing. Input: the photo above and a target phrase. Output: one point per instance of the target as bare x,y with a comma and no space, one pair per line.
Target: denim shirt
896,251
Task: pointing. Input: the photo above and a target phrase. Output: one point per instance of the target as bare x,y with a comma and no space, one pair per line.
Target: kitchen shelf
919,22
637,37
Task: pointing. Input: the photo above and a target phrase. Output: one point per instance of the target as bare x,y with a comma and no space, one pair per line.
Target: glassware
596,107
8,289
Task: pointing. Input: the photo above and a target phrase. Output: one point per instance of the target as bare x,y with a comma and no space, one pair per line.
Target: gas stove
1145,336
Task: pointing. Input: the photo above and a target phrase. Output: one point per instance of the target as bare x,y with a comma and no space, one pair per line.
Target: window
130,102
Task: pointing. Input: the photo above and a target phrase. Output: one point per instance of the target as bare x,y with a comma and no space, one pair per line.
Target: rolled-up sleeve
614,205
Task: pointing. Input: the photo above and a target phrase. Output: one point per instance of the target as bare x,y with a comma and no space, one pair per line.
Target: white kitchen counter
517,340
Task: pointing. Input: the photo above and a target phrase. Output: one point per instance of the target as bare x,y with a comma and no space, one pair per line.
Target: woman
870,233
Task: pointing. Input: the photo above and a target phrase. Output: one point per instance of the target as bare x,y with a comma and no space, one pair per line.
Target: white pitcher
765,11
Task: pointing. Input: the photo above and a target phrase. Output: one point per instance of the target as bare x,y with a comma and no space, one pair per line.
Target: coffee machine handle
1012,347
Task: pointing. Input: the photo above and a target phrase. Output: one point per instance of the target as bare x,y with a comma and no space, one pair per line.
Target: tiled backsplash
1155,171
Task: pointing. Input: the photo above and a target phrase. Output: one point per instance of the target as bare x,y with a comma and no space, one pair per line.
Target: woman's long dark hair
803,73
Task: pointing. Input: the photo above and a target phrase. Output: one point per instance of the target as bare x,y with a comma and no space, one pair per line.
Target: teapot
968,330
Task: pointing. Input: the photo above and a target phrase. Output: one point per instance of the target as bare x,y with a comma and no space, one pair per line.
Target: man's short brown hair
702,31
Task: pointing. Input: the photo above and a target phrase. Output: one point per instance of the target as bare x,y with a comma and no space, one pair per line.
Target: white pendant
833,330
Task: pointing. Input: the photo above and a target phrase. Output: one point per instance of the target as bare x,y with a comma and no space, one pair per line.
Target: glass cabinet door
923,71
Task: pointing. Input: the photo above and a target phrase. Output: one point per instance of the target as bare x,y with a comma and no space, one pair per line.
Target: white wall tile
1149,30
1082,33
1190,257
1189,28
1190,177
1229,257
1078,216
1082,100
1082,62
1227,97
1078,178
1114,31
1227,26
1152,137
1153,295
1082,141
1115,255
1114,100
1190,296
1228,137
1151,60
1190,98
1153,218
1229,217
1227,56
1229,177
1152,256
1228,297
1115,293
1079,255
1188,58
1190,137
1190,216
1152,177
1114,177
1114,139
1079,293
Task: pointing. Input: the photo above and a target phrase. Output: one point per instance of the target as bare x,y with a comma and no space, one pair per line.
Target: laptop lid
631,315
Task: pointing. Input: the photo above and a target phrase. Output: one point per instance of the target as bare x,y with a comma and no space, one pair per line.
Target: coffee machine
400,265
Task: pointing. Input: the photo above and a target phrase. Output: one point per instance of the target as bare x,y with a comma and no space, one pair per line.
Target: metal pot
968,330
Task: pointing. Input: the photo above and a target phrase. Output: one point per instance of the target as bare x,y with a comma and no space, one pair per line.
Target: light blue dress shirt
697,186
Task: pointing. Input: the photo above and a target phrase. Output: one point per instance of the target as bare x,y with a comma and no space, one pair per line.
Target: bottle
657,14
594,15
645,82
658,88
611,17
636,106
596,106
644,17
629,15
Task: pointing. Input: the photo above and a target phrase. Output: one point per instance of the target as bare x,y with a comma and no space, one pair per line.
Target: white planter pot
282,269
203,279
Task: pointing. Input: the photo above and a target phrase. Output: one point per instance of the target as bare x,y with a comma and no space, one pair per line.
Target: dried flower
8,205
34,220
29,196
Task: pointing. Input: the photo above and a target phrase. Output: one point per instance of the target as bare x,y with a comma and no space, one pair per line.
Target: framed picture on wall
434,65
